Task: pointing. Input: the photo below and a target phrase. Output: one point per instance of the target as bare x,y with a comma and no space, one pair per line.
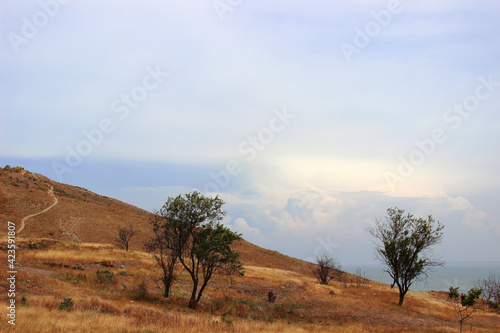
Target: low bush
105,277
142,291
493,305
67,304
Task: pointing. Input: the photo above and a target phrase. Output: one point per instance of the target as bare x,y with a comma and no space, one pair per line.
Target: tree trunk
201,291
401,297
192,301
167,282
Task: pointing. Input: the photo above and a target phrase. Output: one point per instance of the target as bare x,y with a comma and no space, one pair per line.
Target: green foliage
404,246
493,305
24,301
466,300
463,303
191,225
123,273
36,246
104,277
67,304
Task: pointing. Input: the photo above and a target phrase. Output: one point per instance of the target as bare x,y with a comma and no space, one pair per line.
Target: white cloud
241,225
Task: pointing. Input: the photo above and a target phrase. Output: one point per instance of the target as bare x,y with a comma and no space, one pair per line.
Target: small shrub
105,277
24,301
67,304
493,304
141,291
53,264
123,273
225,319
36,246
72,278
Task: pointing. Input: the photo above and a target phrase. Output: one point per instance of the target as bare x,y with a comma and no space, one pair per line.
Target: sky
309,119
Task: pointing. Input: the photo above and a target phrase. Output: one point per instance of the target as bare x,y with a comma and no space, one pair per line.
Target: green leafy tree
463,304
404,247
202,243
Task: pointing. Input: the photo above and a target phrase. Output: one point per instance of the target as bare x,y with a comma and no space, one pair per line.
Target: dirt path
56,201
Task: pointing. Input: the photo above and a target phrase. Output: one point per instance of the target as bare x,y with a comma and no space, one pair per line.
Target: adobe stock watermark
122,107
249,149
221,7
447,284
372,29
325,246
31,26
11,273
452,117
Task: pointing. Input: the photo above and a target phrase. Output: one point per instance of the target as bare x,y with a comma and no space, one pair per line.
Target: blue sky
309,119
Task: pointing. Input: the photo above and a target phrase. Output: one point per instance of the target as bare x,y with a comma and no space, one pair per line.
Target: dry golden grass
303,305
93,315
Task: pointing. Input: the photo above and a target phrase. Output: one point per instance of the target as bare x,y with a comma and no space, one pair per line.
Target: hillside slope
83,216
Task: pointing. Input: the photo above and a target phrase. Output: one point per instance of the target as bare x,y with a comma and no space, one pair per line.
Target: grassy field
104,281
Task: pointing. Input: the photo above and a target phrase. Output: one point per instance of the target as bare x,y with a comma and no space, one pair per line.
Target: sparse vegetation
127,301
67,304
301,303
125,235
327,268
491,288
464,303
142,291
24,301
105,277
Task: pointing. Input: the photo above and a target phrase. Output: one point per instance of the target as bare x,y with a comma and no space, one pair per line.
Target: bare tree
160,246
327,268
125,234
361,279
490,286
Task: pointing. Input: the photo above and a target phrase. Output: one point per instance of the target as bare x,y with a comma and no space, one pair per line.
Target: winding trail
56,201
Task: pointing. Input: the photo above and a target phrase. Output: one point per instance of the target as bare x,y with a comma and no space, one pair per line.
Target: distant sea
457,274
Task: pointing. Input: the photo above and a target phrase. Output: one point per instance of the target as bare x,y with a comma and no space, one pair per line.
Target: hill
67,249
82,216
